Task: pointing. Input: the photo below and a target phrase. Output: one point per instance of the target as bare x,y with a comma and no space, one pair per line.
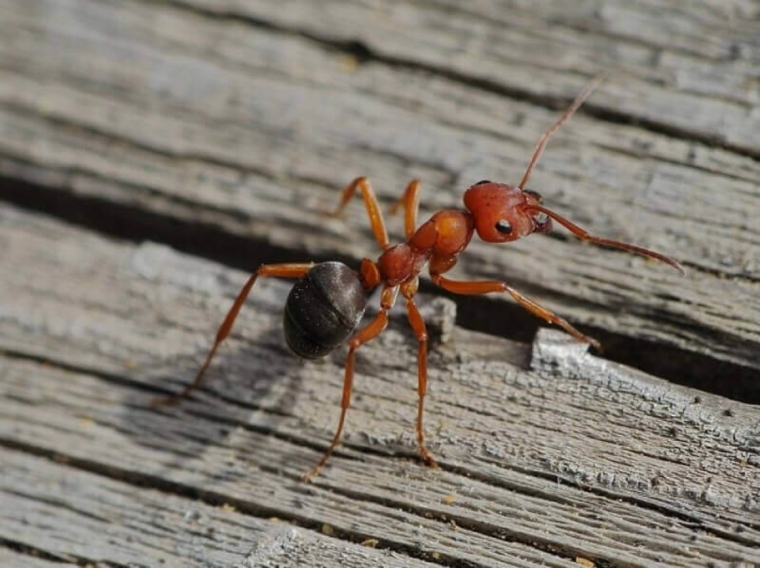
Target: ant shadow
248,394
247,414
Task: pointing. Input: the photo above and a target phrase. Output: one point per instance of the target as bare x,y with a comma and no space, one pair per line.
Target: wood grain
578,457
99,518
242,118
225,129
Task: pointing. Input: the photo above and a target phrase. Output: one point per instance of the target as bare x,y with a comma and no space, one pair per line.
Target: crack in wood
34,552
365,53
505,319
216,499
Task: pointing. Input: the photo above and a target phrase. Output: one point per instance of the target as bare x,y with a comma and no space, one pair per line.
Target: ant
327,302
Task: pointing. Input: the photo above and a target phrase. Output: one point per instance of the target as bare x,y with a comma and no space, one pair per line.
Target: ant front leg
271,270
408,290
488,286
369,332
410,201
373,208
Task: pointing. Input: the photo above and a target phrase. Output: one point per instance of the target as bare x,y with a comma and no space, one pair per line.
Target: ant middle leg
373,208
487,286
410,201
408,290
369,332
265,270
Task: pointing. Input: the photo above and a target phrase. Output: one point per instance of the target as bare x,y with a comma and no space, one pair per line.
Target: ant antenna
582,234
541,144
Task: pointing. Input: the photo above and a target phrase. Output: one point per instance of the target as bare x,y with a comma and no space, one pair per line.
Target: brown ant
327,302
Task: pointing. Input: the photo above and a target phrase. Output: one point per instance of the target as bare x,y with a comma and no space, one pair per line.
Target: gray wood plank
701,58
248,117
486,515
578,457
89,519
16,559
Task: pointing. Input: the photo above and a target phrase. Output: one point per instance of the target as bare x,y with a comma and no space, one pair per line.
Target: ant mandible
327,302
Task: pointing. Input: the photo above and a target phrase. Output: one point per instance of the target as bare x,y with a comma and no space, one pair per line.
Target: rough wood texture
224,128
249,116
577,458
99,519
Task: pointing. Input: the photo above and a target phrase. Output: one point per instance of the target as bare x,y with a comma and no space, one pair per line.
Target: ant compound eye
535,195
504,227
481,182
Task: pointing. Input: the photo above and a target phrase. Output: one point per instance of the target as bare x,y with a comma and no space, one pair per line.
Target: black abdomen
323,309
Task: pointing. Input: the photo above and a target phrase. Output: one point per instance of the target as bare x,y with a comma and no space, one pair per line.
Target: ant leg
408,290
373,209
410,201
369,332
273,270
486,286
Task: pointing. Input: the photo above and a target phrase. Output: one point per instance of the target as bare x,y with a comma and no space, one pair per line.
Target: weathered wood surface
149,527
577,458
249,116
225,128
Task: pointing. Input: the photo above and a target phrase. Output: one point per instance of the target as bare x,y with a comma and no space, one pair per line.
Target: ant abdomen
323,309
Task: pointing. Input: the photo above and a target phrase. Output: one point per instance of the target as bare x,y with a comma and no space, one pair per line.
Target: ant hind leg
265,270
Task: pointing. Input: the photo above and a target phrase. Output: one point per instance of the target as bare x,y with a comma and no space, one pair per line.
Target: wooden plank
10,557
249,117
101,520
576,458
705,87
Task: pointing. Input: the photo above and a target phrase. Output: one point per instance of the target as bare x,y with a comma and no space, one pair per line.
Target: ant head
503,212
